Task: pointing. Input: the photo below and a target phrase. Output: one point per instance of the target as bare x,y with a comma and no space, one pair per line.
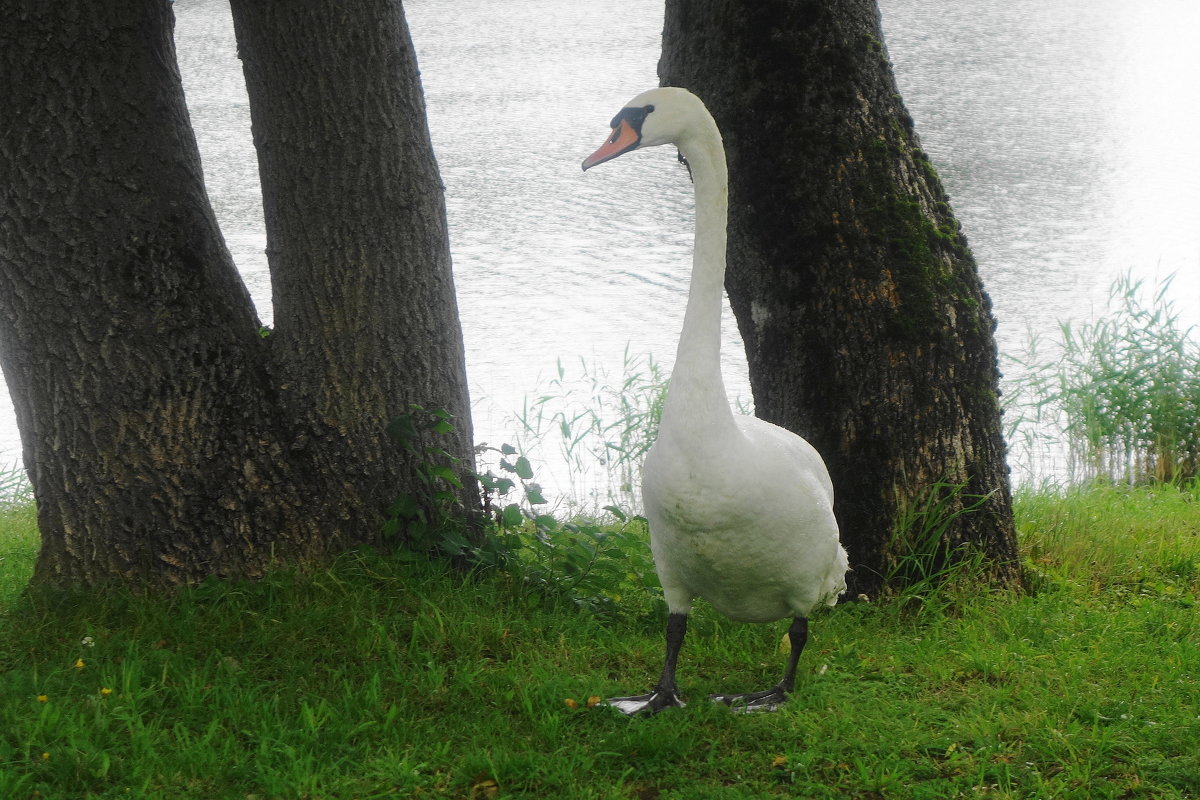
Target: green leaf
406,507
523,468
403,429
511,517
534,495
453,542
508,450
617,512
445,473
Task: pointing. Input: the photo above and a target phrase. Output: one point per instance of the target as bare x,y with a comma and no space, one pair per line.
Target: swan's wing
802,455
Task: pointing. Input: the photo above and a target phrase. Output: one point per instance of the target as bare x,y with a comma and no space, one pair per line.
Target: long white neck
696,398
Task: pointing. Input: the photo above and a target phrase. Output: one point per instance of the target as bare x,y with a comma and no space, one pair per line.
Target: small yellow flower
43,698
79,663
105,691
570,703
45,756
593,701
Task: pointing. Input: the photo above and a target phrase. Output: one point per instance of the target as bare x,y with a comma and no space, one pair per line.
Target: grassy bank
377,678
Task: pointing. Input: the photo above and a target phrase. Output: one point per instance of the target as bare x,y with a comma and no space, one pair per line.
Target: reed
598,425
1124,391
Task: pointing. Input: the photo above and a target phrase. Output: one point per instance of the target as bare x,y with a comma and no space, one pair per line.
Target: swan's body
740,510
751,530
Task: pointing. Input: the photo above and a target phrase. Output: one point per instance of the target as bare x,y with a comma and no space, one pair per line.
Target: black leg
676,629
770,699
664,694
798,637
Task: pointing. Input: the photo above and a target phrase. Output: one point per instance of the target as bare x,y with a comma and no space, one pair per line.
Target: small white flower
87,641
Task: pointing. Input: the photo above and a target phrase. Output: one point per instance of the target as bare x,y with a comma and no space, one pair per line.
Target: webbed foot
769,700
645,703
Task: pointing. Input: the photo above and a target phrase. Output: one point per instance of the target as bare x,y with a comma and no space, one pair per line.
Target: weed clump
600,562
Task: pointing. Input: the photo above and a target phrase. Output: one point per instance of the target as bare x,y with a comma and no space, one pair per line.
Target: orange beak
623,139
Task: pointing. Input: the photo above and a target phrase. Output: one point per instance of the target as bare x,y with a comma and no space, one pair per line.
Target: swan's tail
835,580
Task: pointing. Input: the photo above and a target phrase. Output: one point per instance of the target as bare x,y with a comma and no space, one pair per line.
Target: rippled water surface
1065,132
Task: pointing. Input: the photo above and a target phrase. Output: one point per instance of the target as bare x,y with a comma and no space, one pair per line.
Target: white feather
740,510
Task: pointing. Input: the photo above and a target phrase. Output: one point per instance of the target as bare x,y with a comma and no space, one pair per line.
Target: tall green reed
601,426
1124,390
15,488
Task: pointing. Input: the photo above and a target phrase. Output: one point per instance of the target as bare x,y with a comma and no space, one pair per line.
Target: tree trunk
366,320
866,327
129,344
167,440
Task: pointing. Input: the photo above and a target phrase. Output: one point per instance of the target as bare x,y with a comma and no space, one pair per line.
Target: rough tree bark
356,234
167,440
866,327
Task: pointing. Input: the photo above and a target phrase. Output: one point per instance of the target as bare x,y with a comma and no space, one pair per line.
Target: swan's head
666,115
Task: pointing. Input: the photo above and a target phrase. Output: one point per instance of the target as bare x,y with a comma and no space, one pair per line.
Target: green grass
18,548
381,678
1114,538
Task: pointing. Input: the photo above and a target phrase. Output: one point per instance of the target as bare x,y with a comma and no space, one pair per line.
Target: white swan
740,510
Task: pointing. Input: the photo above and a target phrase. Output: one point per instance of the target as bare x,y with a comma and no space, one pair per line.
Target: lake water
1066,133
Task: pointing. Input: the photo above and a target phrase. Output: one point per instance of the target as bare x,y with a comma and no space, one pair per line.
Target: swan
740,510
